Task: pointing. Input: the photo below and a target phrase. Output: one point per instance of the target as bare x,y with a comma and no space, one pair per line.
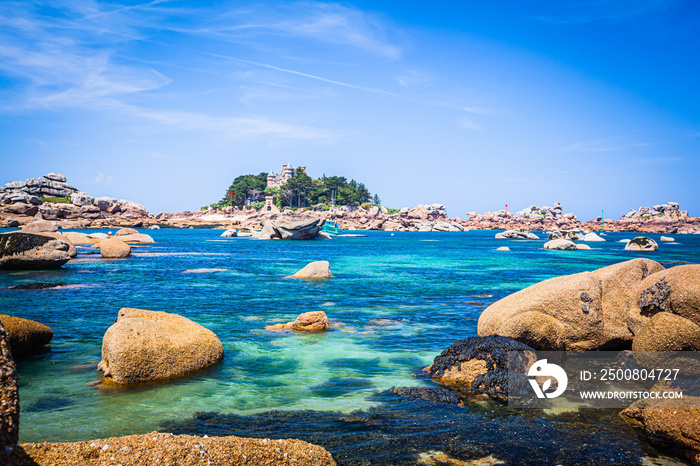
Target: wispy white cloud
479,110
470,124
101,178
611,144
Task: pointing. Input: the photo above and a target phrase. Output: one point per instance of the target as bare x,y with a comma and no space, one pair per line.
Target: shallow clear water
402,299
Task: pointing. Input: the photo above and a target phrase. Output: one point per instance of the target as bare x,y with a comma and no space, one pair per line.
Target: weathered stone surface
592,237
150,345
9,400
168,449
668,239
25,336
481,363
297,229
19,250
23,208
314,321
72,252
114,248
78,238
316,269
560,244
137,238
667,332
516,234
675,290
230,233
642,243
56,177
82,199
126,232
582,247
39,226
670,423
584,311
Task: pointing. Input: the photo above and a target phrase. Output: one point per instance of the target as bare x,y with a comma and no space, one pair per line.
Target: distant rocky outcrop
9,400
554,212
584,311
26,251
143,346
22,200
25,336
670,208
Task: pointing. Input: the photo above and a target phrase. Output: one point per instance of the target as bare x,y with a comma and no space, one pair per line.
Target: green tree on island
300,191
376,200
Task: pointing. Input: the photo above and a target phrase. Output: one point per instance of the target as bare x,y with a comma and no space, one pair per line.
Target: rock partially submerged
291,229
482,364
168,449
9,400
143,346
560,244
584,311
642,243
592,237
516,234
667,239
114,249
670,423
230,233
316,269
25,336
314,321
26,251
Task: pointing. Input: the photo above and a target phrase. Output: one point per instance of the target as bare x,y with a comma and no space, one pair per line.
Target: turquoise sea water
398,302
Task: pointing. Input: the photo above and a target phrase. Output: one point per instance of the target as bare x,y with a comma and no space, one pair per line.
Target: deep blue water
399,301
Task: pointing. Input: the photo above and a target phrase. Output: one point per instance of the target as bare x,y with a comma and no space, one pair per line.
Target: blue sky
594,104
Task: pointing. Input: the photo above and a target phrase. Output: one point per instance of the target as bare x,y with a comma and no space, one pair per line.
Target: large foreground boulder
150,345
314,321
25,336
667,332
25,251
670,423
168,449
316,269
9,400
290,229
481,363
584,311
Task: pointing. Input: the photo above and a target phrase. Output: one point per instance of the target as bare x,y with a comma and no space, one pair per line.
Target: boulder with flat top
27,251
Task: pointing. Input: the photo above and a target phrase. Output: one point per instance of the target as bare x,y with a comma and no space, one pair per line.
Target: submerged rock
150,345
9,400
23,251
584,311
168,449
435,394
314,321
25,336
642,243
316,269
